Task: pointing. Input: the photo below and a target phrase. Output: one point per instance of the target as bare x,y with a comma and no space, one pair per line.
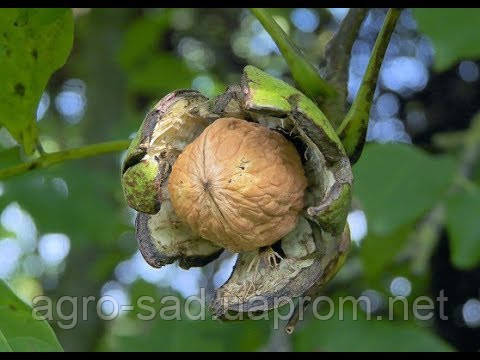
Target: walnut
204,180
239,185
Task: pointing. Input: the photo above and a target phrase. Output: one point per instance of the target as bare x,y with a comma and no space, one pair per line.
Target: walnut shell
239,185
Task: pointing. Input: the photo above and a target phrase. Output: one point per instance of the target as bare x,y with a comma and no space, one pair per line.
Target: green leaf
463,209
4,346
130,333
360,334
172,71
33,44
5,233
142,59
101,215
303,72
19,331
9,157
397,183
193,336
142,38
378,251
454,34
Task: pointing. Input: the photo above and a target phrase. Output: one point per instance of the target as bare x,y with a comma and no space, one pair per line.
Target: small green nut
141,186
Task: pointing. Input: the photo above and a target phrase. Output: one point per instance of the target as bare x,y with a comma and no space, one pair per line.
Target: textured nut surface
239,185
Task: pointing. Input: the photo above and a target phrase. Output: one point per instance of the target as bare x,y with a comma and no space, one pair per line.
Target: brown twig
337,56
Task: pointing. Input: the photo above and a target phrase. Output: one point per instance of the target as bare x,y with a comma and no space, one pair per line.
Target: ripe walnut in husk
278,177
239,185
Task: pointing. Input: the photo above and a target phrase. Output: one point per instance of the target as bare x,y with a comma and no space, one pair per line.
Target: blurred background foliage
67,230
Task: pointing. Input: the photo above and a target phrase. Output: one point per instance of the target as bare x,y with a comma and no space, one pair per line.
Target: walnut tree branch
50,159
303,72
354,126
337,56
